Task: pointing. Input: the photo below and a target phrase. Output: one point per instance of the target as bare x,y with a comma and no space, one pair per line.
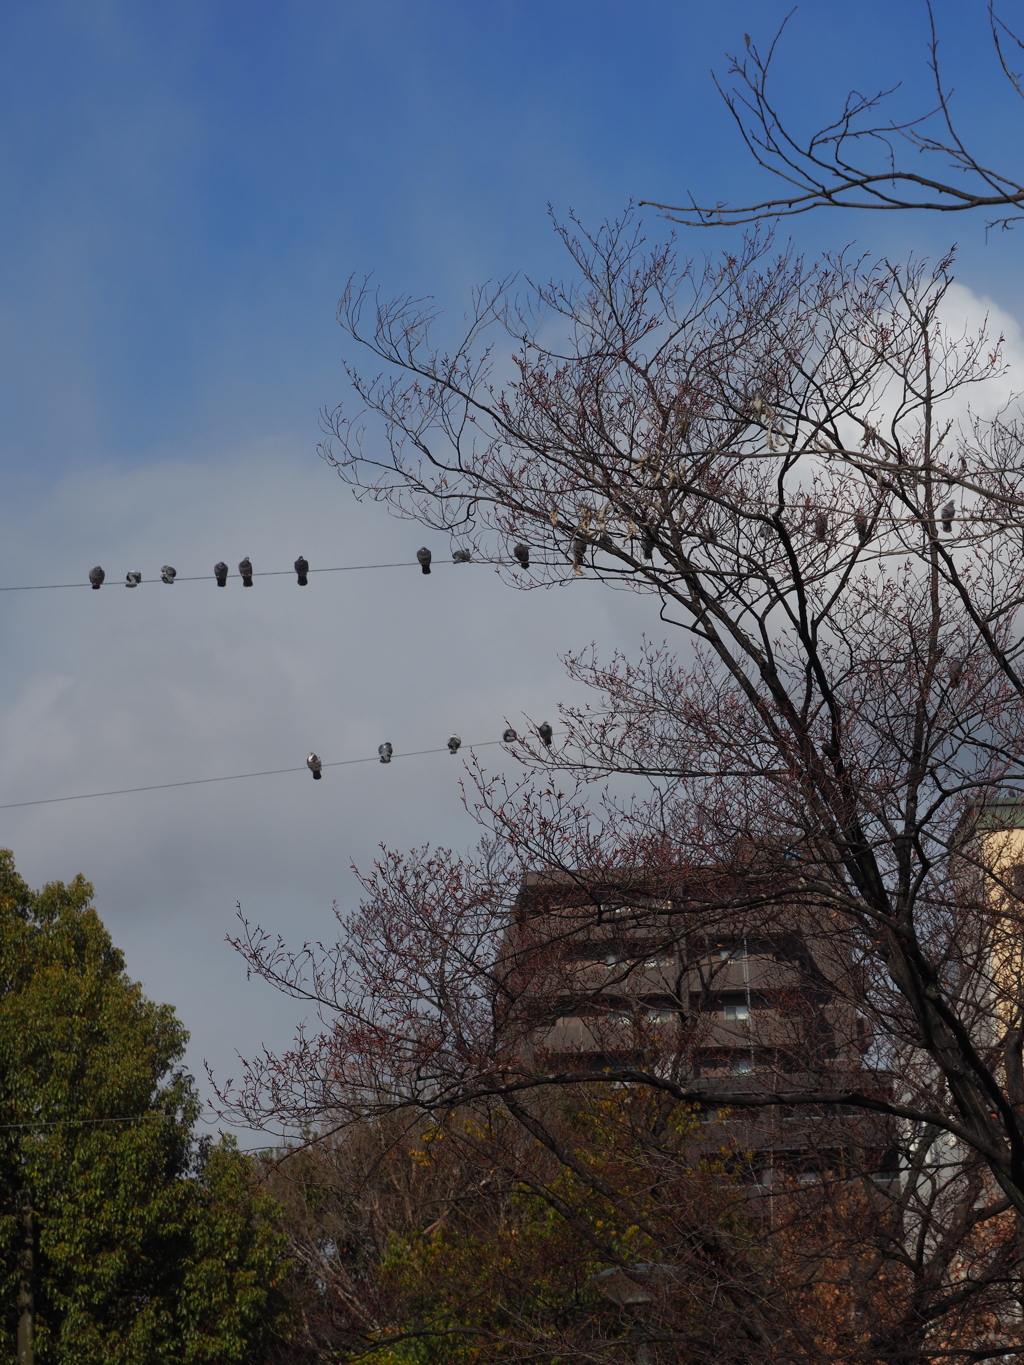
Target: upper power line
221,573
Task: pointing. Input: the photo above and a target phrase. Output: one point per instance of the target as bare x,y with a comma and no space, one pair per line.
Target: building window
732,952
657,1015
735,1009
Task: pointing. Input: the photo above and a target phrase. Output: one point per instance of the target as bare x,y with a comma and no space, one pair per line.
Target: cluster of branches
784,458
610,1217
855,161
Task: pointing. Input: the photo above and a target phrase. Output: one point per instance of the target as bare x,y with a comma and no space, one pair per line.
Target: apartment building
721,982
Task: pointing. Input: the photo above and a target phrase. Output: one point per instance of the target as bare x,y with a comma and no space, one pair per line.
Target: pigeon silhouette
245,569
314,765
947,514
302,568
424,558
96,577
522,553
221,574
545,731
509,736
385,750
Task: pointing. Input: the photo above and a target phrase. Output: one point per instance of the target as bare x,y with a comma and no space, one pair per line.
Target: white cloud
120,688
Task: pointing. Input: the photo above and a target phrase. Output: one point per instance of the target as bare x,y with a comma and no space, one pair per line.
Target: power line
278,573
73,1123
231,777
204,577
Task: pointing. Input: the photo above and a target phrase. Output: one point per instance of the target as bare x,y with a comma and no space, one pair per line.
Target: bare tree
475,1182
857,161
783,457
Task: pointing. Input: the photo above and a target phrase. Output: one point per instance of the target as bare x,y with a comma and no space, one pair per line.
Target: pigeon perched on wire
167,574
302,569
545,731
461,556
96,577
245,569
947,514
314,765
385,750
133,579
220,572
424,557
509,736
453,744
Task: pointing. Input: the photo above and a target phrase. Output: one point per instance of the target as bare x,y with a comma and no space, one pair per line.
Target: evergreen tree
151,1247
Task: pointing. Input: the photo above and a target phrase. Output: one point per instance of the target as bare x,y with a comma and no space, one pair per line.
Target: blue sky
184,190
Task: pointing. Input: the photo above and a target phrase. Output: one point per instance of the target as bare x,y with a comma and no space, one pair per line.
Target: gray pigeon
545,731
461,556
245,569
302,568
168,574
220,572
522,553
509,736
453,744
947,514
424,556
133,580
314,765
385,750
96,577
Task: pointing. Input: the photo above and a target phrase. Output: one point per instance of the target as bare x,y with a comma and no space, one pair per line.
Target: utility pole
27,1282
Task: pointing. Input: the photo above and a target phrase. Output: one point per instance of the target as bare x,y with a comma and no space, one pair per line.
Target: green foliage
150,1248
517,1273
472,1297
